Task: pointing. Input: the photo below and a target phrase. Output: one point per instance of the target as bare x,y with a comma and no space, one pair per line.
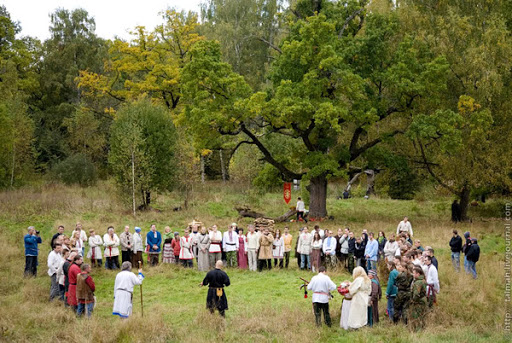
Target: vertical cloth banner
287,192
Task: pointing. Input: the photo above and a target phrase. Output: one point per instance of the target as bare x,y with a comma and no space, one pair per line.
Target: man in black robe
216,279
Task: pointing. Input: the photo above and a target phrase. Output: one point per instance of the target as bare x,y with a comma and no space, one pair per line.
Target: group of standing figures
411,273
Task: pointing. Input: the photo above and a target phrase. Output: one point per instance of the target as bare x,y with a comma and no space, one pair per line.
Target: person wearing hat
465,250
138,247
418,302
473,255
375,296
123,290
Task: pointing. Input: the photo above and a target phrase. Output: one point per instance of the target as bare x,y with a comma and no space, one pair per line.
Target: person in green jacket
391,289
403,283
418,304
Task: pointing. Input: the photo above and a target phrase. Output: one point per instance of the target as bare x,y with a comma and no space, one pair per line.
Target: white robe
111,245
95,242
186,248
360,292
123,290
278,252
345,313
432,279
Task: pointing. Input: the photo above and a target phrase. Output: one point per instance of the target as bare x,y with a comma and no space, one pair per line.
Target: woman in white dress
278,249
345,305
359,290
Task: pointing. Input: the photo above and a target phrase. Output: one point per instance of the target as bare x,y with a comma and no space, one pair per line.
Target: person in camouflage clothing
418,304
403,283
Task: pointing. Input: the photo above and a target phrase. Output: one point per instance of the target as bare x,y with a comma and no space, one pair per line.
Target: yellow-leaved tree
150,64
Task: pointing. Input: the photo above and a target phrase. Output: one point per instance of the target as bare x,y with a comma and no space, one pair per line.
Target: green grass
266,306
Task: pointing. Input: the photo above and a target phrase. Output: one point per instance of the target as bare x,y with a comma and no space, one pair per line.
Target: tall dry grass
266,307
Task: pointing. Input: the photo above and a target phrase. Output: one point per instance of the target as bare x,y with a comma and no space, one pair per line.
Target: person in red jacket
176,246
85,291
73,272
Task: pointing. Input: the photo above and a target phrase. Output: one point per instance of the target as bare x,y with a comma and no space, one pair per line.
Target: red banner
287,192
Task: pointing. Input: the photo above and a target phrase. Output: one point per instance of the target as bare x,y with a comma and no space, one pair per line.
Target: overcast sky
113,17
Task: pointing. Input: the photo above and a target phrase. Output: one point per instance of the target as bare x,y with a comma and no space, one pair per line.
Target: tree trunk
318,197
13,164
352,180
148,198
133,181
370,181
202,168
464,203
222,167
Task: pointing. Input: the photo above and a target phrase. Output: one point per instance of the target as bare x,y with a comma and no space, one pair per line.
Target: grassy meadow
264,307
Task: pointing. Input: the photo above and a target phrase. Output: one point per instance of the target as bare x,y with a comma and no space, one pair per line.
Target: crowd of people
411,270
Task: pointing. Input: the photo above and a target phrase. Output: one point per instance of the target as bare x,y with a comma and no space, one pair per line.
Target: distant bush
493,208
268,179
76,169
403,184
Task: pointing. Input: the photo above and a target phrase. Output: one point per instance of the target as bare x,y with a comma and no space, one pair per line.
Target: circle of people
412,271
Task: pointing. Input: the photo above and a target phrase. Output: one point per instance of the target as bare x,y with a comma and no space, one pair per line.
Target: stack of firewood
195,222
264,223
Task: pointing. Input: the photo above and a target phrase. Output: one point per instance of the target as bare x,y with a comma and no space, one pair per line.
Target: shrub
76,169
268,179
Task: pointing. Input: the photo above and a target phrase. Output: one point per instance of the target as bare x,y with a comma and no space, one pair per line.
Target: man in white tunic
123,290
329,249
186,253
230,245
252,246
215,246
304,248
404,226
321,285
432,281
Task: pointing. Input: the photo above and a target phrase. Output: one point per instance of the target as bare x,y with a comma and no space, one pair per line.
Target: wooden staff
141,301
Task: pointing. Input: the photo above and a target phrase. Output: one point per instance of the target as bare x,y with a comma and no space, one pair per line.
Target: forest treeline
261,91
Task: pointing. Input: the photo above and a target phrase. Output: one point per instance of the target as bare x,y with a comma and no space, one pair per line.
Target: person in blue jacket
154,241
371,251
31,240
391,289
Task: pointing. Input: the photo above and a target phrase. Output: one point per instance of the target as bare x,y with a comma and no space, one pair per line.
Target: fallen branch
247,212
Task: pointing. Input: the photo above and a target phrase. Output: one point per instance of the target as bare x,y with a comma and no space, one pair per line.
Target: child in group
176,246
168,252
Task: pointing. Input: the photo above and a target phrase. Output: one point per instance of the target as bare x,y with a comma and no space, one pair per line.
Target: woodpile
195,223
264,223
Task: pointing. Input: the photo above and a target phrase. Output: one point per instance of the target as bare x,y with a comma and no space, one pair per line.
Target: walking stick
141,301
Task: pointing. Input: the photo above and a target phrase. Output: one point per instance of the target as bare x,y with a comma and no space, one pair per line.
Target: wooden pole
141,301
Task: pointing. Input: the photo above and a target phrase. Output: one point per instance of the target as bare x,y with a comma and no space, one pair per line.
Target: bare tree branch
348,20
431,172
288,174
